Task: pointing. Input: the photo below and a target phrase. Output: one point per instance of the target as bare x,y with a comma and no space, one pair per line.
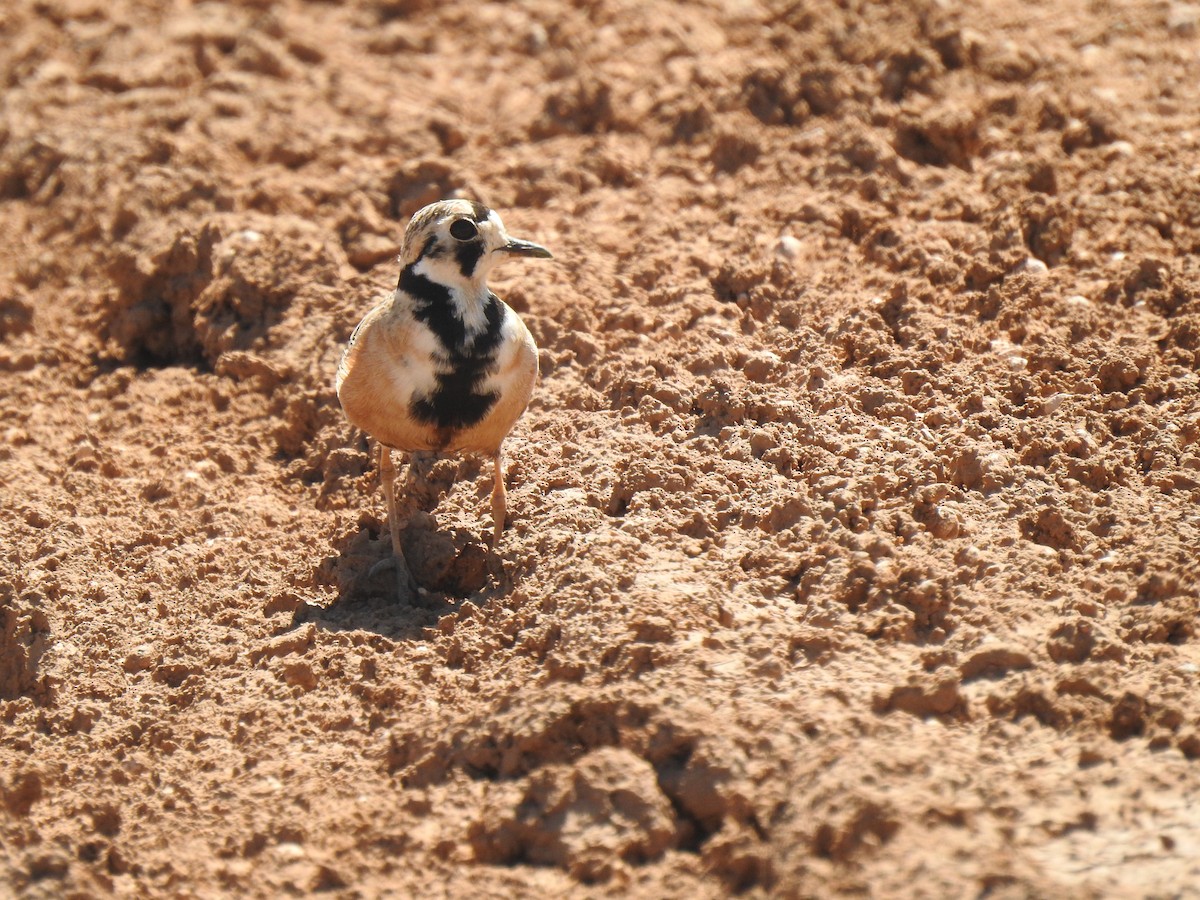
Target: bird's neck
456,308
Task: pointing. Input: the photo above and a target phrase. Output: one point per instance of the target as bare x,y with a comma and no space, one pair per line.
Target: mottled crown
426,220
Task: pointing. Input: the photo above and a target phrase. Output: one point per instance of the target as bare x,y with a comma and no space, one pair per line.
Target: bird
443,364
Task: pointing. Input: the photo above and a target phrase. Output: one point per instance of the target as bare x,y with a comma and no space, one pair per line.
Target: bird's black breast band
457,402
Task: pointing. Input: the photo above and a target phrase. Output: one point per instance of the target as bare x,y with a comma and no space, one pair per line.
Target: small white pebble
1183,19
1033,266
1017,363
289,851
969,556
788,247
1078,300
536,39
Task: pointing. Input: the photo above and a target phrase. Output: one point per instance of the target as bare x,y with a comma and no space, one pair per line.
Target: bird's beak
526,248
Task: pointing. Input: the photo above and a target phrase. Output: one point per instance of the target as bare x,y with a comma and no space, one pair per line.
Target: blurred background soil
854,521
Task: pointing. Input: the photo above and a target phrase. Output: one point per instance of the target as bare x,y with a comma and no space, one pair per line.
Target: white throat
468,296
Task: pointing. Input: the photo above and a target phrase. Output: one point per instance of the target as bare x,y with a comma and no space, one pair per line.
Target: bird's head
456,243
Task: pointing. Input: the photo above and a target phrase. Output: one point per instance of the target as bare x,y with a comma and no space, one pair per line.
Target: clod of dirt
24,638
22,792
213,290
946,136
581,106
452,563
583,817
150,321
16,315
994,660
923,696
860,824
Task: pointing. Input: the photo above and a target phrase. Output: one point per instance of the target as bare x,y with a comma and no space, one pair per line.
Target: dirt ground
854,520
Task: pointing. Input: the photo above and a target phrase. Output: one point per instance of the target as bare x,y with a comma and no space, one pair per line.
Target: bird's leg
499,501
405,586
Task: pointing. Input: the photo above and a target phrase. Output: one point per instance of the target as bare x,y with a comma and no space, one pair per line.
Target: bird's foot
406,585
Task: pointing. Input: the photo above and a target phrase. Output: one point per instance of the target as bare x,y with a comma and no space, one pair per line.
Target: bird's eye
463,230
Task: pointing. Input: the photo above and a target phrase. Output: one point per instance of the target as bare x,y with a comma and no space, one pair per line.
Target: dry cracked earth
854,521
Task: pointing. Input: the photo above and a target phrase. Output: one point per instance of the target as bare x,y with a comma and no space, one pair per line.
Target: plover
442,365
